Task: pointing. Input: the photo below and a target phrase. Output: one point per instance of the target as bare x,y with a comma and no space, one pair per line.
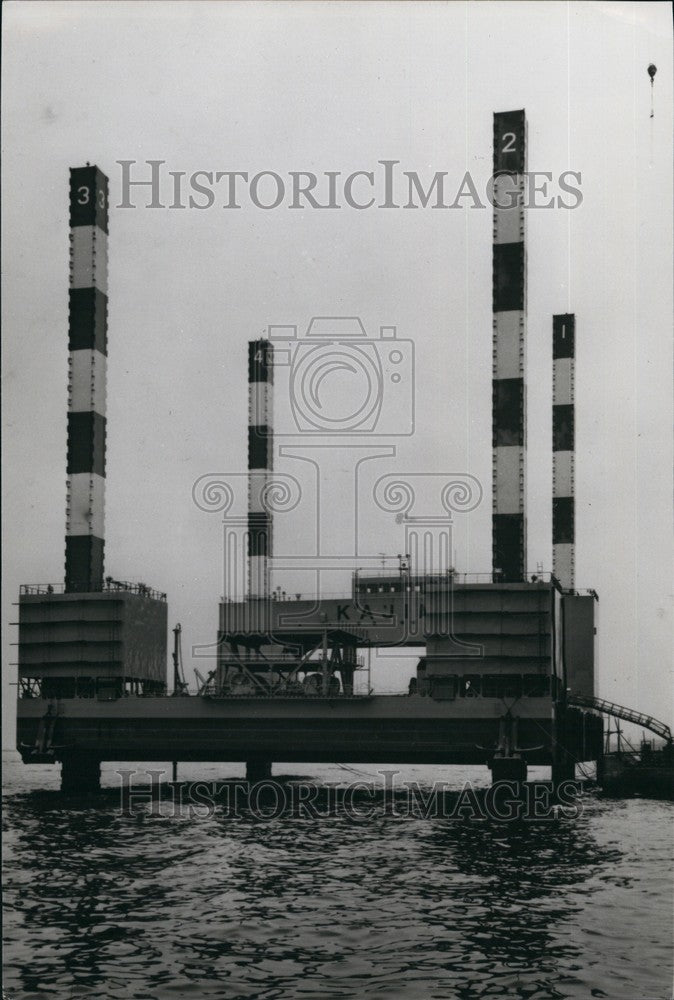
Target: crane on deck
179,682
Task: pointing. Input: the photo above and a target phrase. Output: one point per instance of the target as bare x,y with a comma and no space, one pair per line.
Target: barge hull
374,730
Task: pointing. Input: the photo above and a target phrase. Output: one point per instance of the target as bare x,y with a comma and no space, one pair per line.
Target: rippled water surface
106,906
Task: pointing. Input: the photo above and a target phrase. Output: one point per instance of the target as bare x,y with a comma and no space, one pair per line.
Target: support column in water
80,775
258,770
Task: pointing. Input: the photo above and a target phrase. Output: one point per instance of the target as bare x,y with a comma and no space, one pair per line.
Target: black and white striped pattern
260,465
87,342
563,449
508,386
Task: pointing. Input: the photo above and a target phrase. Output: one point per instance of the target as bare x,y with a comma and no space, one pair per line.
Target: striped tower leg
509,323
87,343
563,449
260,464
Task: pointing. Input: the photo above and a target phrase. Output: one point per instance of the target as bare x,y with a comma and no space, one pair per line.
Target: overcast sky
337,87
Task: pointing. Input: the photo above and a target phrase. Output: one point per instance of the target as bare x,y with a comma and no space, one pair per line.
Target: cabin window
471,686
108,689
502,686
58,687
510,686
444,687
86,687
536,686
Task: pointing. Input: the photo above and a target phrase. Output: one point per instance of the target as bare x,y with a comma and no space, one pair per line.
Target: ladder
620,712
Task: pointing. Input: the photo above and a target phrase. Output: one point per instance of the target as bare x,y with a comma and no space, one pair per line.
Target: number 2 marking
83,193
509,146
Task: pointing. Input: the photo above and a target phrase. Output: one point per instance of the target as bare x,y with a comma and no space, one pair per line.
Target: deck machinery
501,656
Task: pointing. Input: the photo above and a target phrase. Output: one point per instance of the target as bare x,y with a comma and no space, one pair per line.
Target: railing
383,583
110,585
371,582
284,597
408,580
620,712
42,588
213,691
267,662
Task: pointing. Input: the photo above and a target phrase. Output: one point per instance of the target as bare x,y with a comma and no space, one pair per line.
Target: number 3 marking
83,193
509,146
101,199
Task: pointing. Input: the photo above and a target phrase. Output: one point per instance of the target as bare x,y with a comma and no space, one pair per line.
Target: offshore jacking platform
505,675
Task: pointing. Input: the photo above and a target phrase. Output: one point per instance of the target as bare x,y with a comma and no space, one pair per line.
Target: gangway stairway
620,712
